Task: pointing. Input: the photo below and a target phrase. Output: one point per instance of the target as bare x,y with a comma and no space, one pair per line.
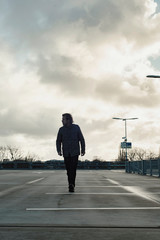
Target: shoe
71,188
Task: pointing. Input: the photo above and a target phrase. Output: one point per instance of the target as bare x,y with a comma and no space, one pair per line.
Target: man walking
68,138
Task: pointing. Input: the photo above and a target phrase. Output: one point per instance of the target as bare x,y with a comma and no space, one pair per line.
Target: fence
60,165
144,167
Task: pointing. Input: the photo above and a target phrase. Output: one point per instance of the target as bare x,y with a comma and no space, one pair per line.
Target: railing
144,167
60,165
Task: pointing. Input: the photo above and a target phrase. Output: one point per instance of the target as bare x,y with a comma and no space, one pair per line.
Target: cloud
61,71
107,19
33,124
132,92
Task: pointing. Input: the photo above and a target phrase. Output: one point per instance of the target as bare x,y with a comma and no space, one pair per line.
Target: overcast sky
89,58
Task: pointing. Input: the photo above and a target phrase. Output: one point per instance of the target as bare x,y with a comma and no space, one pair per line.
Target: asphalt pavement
36,204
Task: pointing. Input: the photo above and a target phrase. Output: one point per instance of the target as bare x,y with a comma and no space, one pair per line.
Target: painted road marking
98,180
64,186
9,190
112,181
118,171
97,186
88,186
93,193
35,181
136,190
103,208
141,193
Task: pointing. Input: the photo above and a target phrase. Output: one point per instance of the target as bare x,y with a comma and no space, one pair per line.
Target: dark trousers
71,167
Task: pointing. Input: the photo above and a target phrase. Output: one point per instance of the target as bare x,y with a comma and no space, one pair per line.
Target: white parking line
118,171
9,190
35,181
92,193
141,193
98,186
64,186
98,180
103,208
112,181
136,190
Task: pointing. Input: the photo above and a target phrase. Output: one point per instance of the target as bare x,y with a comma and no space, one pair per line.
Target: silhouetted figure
68,138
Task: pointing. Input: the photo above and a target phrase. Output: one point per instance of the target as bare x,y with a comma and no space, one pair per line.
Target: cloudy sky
89,58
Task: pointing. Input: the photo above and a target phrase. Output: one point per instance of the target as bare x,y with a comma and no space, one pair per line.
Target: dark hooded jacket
69,140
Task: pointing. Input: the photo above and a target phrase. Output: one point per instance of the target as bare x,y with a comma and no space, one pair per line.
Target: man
68,138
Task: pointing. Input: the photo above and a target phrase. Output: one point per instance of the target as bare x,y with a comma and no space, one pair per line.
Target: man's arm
59,142
82,141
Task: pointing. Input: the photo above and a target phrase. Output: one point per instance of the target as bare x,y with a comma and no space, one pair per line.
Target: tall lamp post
153,76
125,138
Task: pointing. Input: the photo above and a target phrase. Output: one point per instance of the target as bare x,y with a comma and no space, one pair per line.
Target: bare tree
131,155
3,153
31,157
151,155
14,152
136,154
140,154
121,155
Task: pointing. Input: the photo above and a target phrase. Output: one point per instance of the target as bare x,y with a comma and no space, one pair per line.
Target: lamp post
125,138
153,76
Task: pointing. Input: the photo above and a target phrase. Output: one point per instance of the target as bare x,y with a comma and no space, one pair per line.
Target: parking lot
36,204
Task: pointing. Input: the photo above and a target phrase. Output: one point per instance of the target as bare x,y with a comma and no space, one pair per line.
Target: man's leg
67,161
74,162
71,166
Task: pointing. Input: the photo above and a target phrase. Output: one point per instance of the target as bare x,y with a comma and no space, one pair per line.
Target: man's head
67,119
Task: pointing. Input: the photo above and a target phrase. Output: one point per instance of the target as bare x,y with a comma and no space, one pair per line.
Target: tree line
137,154
12,153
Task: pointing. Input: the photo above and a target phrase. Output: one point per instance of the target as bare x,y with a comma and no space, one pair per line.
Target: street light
125,138
153,76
